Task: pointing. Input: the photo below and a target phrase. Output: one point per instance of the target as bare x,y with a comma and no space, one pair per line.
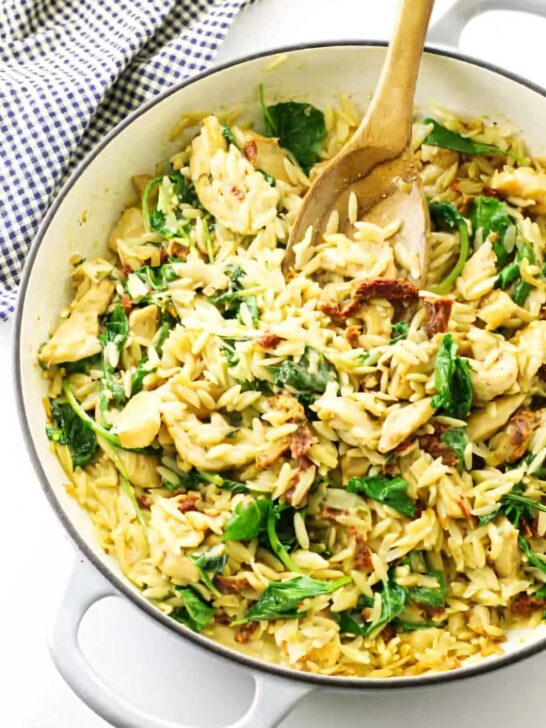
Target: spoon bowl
378,164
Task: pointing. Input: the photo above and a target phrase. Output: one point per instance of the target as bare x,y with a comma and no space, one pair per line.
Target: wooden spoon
378,162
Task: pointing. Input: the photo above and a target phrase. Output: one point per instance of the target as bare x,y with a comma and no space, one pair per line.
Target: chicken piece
140,420
403,421
511,444
479,275
498,309
483,423
141,469
494,366
143,324
76,336
524,182
227,184
505,550
201,275
130,239
265,153
531,343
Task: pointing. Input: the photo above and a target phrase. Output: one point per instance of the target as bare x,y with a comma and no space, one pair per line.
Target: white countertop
133,654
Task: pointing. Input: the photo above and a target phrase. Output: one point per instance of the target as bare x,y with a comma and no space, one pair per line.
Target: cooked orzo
332,469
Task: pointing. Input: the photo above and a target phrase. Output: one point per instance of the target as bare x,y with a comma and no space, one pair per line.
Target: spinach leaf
230,352
194,478
393,602
157,278
406,626
302,376
168,322
256,385
86,419
72,431
82,366
511,273
260,518
491,216
249,518
209,565
299,127
195,613
281,599
392,491
452,381
156,219
229,136
444,216
440,136
399,331
116,330
457,440
280,549
268,178
428,596
519,510
231,301
138,375
536,560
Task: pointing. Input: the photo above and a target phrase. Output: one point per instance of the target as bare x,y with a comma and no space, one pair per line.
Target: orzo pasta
332,469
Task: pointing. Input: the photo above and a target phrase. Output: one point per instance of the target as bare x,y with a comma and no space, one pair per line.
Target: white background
147,665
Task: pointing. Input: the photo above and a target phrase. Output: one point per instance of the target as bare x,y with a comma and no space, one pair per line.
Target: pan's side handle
448,29
273,699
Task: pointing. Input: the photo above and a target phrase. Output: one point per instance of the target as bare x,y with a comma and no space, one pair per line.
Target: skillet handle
273,699
448,29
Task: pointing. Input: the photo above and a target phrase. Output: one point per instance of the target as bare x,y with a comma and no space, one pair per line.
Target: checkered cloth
69,71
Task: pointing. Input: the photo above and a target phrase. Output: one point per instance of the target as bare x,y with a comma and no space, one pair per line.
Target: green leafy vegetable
428,596
82,366
452,381
519,510
445,215
277,546
112,339
194,478
491,216
229,136
457,440
157,278
86,419
137,377
299,127
407,626
231,301
440,136
168,322
209,565
230,352
195,613
536,560
392,491
268,178
511,273
256,385
281,599
169,224
72,431
310,375
393,601
399,331
249,518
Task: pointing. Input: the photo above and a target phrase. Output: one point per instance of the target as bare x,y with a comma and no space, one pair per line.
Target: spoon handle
387,123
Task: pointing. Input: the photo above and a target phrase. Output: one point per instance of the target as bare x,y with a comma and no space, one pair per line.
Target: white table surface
141,660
